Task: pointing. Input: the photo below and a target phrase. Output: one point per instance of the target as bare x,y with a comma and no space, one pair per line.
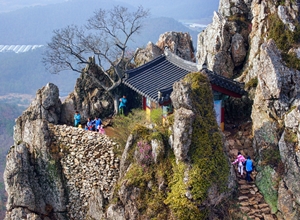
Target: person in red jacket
240,159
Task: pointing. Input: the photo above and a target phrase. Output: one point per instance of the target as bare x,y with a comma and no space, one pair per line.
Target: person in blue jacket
77,119
122,106
90,124
98,123
249,169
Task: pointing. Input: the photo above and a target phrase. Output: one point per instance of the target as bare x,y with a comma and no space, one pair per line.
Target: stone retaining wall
89,166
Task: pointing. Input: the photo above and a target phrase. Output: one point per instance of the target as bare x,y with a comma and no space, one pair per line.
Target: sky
178,9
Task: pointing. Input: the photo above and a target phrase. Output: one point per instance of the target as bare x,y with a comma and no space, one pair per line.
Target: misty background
31,22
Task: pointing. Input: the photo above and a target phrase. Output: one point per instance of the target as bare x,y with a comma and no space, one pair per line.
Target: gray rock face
184,118
41,171
213,47
55,171
275,118
115,212
143,56
45,106
288,13
223,44
30,187
238,49
278,86
178,43
230,7
277,91
87,98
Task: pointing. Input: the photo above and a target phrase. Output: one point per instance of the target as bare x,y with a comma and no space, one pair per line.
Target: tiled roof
160,74
225,82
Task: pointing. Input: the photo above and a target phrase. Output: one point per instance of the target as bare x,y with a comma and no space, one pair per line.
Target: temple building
154,81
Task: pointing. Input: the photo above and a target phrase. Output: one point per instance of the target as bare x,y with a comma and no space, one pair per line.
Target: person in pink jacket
240,159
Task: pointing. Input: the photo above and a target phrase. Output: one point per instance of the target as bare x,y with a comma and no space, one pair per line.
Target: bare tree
103,40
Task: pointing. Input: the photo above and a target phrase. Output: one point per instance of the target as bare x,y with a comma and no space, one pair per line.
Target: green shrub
285,40
182,207
270,156
290,136
156,116
150,202
126,124
252,83
291,60
279,32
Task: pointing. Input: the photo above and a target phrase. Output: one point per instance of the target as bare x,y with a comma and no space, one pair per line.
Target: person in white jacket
240,159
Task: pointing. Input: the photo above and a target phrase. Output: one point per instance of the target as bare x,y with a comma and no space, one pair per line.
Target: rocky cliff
56,171
182,172
257,41
61,172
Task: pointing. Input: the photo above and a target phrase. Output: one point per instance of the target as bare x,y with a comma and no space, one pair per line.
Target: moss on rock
267,184
208,161
177,190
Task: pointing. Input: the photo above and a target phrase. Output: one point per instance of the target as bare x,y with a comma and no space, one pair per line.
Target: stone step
242,198
269,217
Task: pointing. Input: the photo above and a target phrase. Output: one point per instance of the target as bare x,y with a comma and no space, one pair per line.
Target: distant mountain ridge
177,9
35,25
24,72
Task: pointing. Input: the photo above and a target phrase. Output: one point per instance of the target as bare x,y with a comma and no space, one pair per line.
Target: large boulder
178,43
147,54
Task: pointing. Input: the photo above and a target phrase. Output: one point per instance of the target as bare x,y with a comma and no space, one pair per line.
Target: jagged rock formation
31,189
236,44
191,142
87,98
57,172
223,45
178,43
272,84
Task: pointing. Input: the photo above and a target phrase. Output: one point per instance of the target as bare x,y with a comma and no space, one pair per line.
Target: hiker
98,122
122,105
101,130
240,159
249,169
77,118
90,124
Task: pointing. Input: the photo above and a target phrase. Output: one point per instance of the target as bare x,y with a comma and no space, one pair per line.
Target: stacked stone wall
89,166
